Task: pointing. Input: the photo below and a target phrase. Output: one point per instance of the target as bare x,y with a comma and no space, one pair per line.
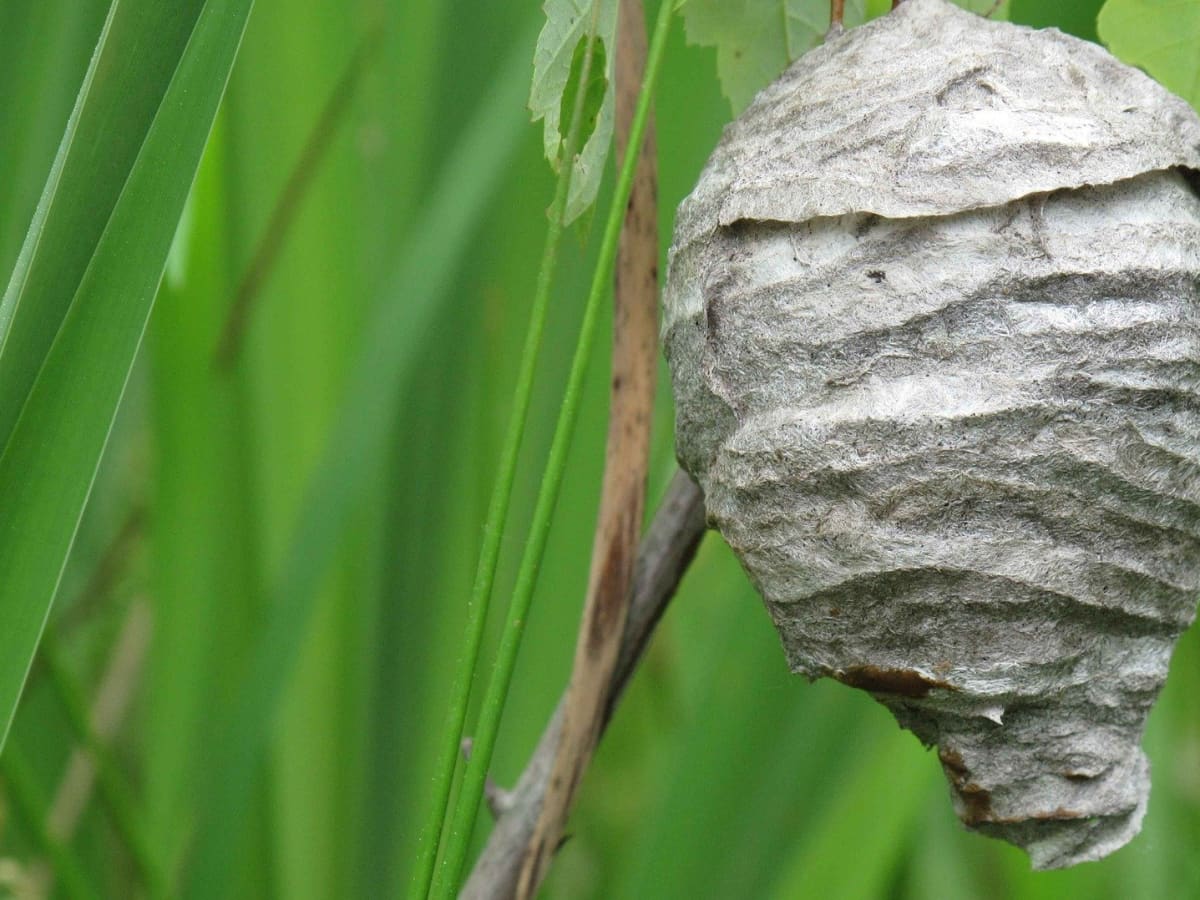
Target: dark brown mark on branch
611,607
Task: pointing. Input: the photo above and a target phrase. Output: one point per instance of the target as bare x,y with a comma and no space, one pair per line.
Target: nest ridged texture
934,330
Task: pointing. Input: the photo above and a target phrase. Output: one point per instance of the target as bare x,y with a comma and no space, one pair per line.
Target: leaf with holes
557,65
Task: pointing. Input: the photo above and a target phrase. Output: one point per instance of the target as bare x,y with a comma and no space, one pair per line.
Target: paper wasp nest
934,331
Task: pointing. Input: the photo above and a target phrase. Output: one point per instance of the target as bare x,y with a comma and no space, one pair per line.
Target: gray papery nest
932,322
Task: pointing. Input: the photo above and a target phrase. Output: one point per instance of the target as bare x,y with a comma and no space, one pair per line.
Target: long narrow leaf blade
60,426
391,340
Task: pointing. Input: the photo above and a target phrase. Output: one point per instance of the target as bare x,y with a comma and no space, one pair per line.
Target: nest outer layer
934,331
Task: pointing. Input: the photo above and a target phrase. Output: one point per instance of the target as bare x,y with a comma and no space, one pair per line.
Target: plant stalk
497,691
485,574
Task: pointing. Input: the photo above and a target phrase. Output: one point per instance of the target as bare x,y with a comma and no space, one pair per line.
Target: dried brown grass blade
614,552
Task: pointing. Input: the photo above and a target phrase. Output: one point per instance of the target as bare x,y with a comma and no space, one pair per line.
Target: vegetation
267,471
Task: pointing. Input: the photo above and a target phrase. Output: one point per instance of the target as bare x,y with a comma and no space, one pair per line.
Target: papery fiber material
934,331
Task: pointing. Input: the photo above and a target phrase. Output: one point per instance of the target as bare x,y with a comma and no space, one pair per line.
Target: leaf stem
497,691
439,810
30,806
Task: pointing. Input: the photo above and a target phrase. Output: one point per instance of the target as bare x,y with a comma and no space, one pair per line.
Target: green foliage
556,70
1077,17
756,39
1159,37
313,513
81,291
594,93
441,813
337,486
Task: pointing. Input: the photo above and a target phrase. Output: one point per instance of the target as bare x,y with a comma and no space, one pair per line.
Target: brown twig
837,12
283,214
117,686
113,563
665,553
634,357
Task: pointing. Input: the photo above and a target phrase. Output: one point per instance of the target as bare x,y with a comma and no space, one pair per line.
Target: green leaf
1160,37
45,46
399,323
756,39
556,64
1077,17
594,92
77,303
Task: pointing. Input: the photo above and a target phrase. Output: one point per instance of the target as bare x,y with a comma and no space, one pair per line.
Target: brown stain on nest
977,800
1058,814
880,680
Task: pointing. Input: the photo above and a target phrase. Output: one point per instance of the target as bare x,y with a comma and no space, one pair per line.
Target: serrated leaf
757,39
1160,37
567,23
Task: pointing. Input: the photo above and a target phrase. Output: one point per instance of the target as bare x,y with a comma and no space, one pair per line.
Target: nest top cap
931,110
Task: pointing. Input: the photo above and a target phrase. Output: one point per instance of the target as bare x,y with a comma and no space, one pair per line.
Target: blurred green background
721,776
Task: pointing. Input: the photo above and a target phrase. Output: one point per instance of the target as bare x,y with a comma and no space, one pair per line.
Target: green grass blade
201,549
392,337
114,111
497,691
493,530
45,48
96,301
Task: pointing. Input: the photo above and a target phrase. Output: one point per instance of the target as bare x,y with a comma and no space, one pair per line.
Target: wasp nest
934,332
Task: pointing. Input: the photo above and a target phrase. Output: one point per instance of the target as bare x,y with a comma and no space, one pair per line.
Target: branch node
499,800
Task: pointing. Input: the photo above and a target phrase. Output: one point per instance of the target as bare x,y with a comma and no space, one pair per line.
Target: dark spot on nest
977,804
865,224
879,680
1058,814
977,800
877,275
